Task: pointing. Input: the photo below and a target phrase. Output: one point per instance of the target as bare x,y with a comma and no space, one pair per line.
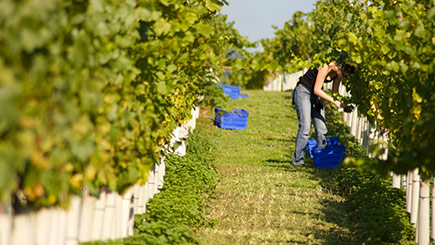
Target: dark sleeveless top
309,79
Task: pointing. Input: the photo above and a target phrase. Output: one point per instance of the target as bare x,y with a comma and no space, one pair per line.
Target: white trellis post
23,232
359,130
87,213
347,118
97,224
130,214
109,217
118,218
415,196
5,229
409,192
151,183
433,209
161,175
354,127
126,213
57,230
156,178
136,196
141,202
147,195
423,218
396,180
373,135
43,224
72,227
366,136
382,138
404,179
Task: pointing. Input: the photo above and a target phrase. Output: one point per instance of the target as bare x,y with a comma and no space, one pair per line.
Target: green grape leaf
204,29
162,27
420,31
213,5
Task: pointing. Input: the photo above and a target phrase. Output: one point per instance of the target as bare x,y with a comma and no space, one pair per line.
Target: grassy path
262,198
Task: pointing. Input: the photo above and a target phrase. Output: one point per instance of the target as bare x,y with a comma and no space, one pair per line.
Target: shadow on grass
372,212
278,161
335,212
292,140
286,165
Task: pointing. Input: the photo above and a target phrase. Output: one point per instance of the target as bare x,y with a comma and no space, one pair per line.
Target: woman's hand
347,108
337,104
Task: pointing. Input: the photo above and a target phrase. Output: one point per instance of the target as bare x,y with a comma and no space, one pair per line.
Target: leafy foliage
378,214
91,90
179,206
391,43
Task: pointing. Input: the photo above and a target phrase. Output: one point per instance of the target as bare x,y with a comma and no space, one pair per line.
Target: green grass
258,197
262,198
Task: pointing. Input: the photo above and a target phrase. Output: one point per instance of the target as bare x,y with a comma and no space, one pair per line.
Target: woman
308,98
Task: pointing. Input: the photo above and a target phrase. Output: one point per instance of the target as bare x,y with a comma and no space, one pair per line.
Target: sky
255,18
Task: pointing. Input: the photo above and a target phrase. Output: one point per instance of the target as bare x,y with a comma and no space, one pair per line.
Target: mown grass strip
262,198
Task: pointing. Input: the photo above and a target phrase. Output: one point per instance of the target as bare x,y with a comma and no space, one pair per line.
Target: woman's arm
321,75
336,83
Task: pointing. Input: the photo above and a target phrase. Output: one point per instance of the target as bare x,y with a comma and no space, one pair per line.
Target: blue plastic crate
232,91
237,119
312,144
328,157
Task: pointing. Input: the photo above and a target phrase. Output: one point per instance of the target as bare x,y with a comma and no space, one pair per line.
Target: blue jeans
307,108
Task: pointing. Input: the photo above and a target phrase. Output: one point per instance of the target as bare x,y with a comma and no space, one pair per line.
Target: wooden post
147,195
99,218
141,202
127,213
354,123
433,209
72,227
161,168
86,218
197,110
130,214
382,139
136,190
156,178
409,192
396,180
109,216
423,218
58,226
365,135
181,149
151,183
23,230
415,196
373,135
361,127
404,179
118,218
5,229
43,225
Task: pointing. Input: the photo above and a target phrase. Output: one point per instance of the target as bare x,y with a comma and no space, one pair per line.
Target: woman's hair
346,68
